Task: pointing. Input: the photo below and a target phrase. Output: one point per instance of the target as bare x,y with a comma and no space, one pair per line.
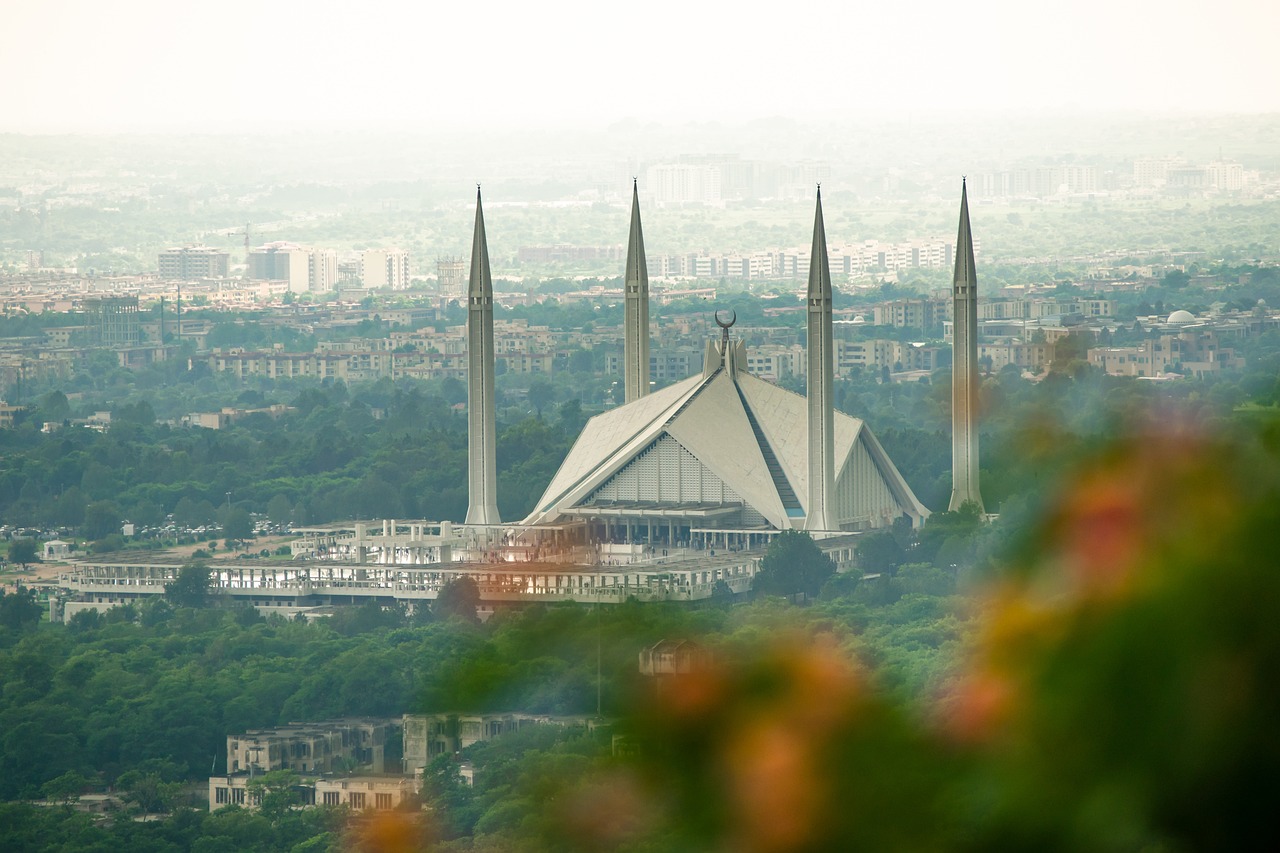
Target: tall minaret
822,477
482,463
964,367
636,316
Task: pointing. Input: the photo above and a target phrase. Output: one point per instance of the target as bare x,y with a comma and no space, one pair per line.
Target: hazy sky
268,64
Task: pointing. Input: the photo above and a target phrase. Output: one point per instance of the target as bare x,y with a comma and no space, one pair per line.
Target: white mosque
670,496
720,456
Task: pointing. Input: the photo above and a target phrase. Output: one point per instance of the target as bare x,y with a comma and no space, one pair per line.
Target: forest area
953,663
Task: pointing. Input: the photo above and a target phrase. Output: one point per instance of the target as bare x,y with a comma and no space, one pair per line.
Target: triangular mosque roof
711,416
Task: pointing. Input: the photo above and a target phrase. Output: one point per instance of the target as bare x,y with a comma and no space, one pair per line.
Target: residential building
684,183
112,321
1027,356
1192,351
384,269
920,314
6,414
289,263
194,262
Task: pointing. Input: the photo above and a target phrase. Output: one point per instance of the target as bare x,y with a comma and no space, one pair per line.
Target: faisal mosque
672,495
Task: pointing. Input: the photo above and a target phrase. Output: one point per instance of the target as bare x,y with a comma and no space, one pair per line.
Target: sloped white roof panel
784,418
707,417
608,434
715,429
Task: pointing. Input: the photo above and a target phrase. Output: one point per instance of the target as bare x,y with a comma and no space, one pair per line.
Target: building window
382,801
220,796
237,796
356,800
331,798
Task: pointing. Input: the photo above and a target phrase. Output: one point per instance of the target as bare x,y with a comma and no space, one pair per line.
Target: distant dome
1178,318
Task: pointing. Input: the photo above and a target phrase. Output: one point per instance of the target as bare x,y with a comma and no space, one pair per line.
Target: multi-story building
322,270
359,793
384,269
6,414
1153,172
323,747
277,364
288,263
911,313
666,364
428,736
852,356
1027,356
776,361
1225,175
112,321
451,277
1041,181
1194,351
893,355
683,183
194,262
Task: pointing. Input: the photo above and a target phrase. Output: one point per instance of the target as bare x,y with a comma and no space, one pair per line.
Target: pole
599,643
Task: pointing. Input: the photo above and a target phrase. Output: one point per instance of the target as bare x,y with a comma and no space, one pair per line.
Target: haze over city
245,66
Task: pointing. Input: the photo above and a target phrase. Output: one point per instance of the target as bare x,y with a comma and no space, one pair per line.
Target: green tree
23,551
276,793
19,610
793,564
237,524
67,788
458,597
191,587
541,394
879,552
101,518
148,791
279,509
54,407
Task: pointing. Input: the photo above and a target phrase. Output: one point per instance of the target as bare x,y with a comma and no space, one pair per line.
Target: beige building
277,364
358,793
911,313
894,355
1193,351
7,412
428,736
384,268
194,262
282,262
324,747
1033,357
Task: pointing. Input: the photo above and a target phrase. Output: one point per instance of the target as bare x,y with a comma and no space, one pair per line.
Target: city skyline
144,65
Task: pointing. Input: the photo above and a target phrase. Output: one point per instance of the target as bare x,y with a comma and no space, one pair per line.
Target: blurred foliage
1094,671
1118,694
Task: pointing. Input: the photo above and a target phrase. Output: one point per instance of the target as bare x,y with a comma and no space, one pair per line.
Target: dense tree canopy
793,564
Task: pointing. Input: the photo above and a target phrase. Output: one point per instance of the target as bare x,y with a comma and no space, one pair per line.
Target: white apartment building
683,183
301,269
384,268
